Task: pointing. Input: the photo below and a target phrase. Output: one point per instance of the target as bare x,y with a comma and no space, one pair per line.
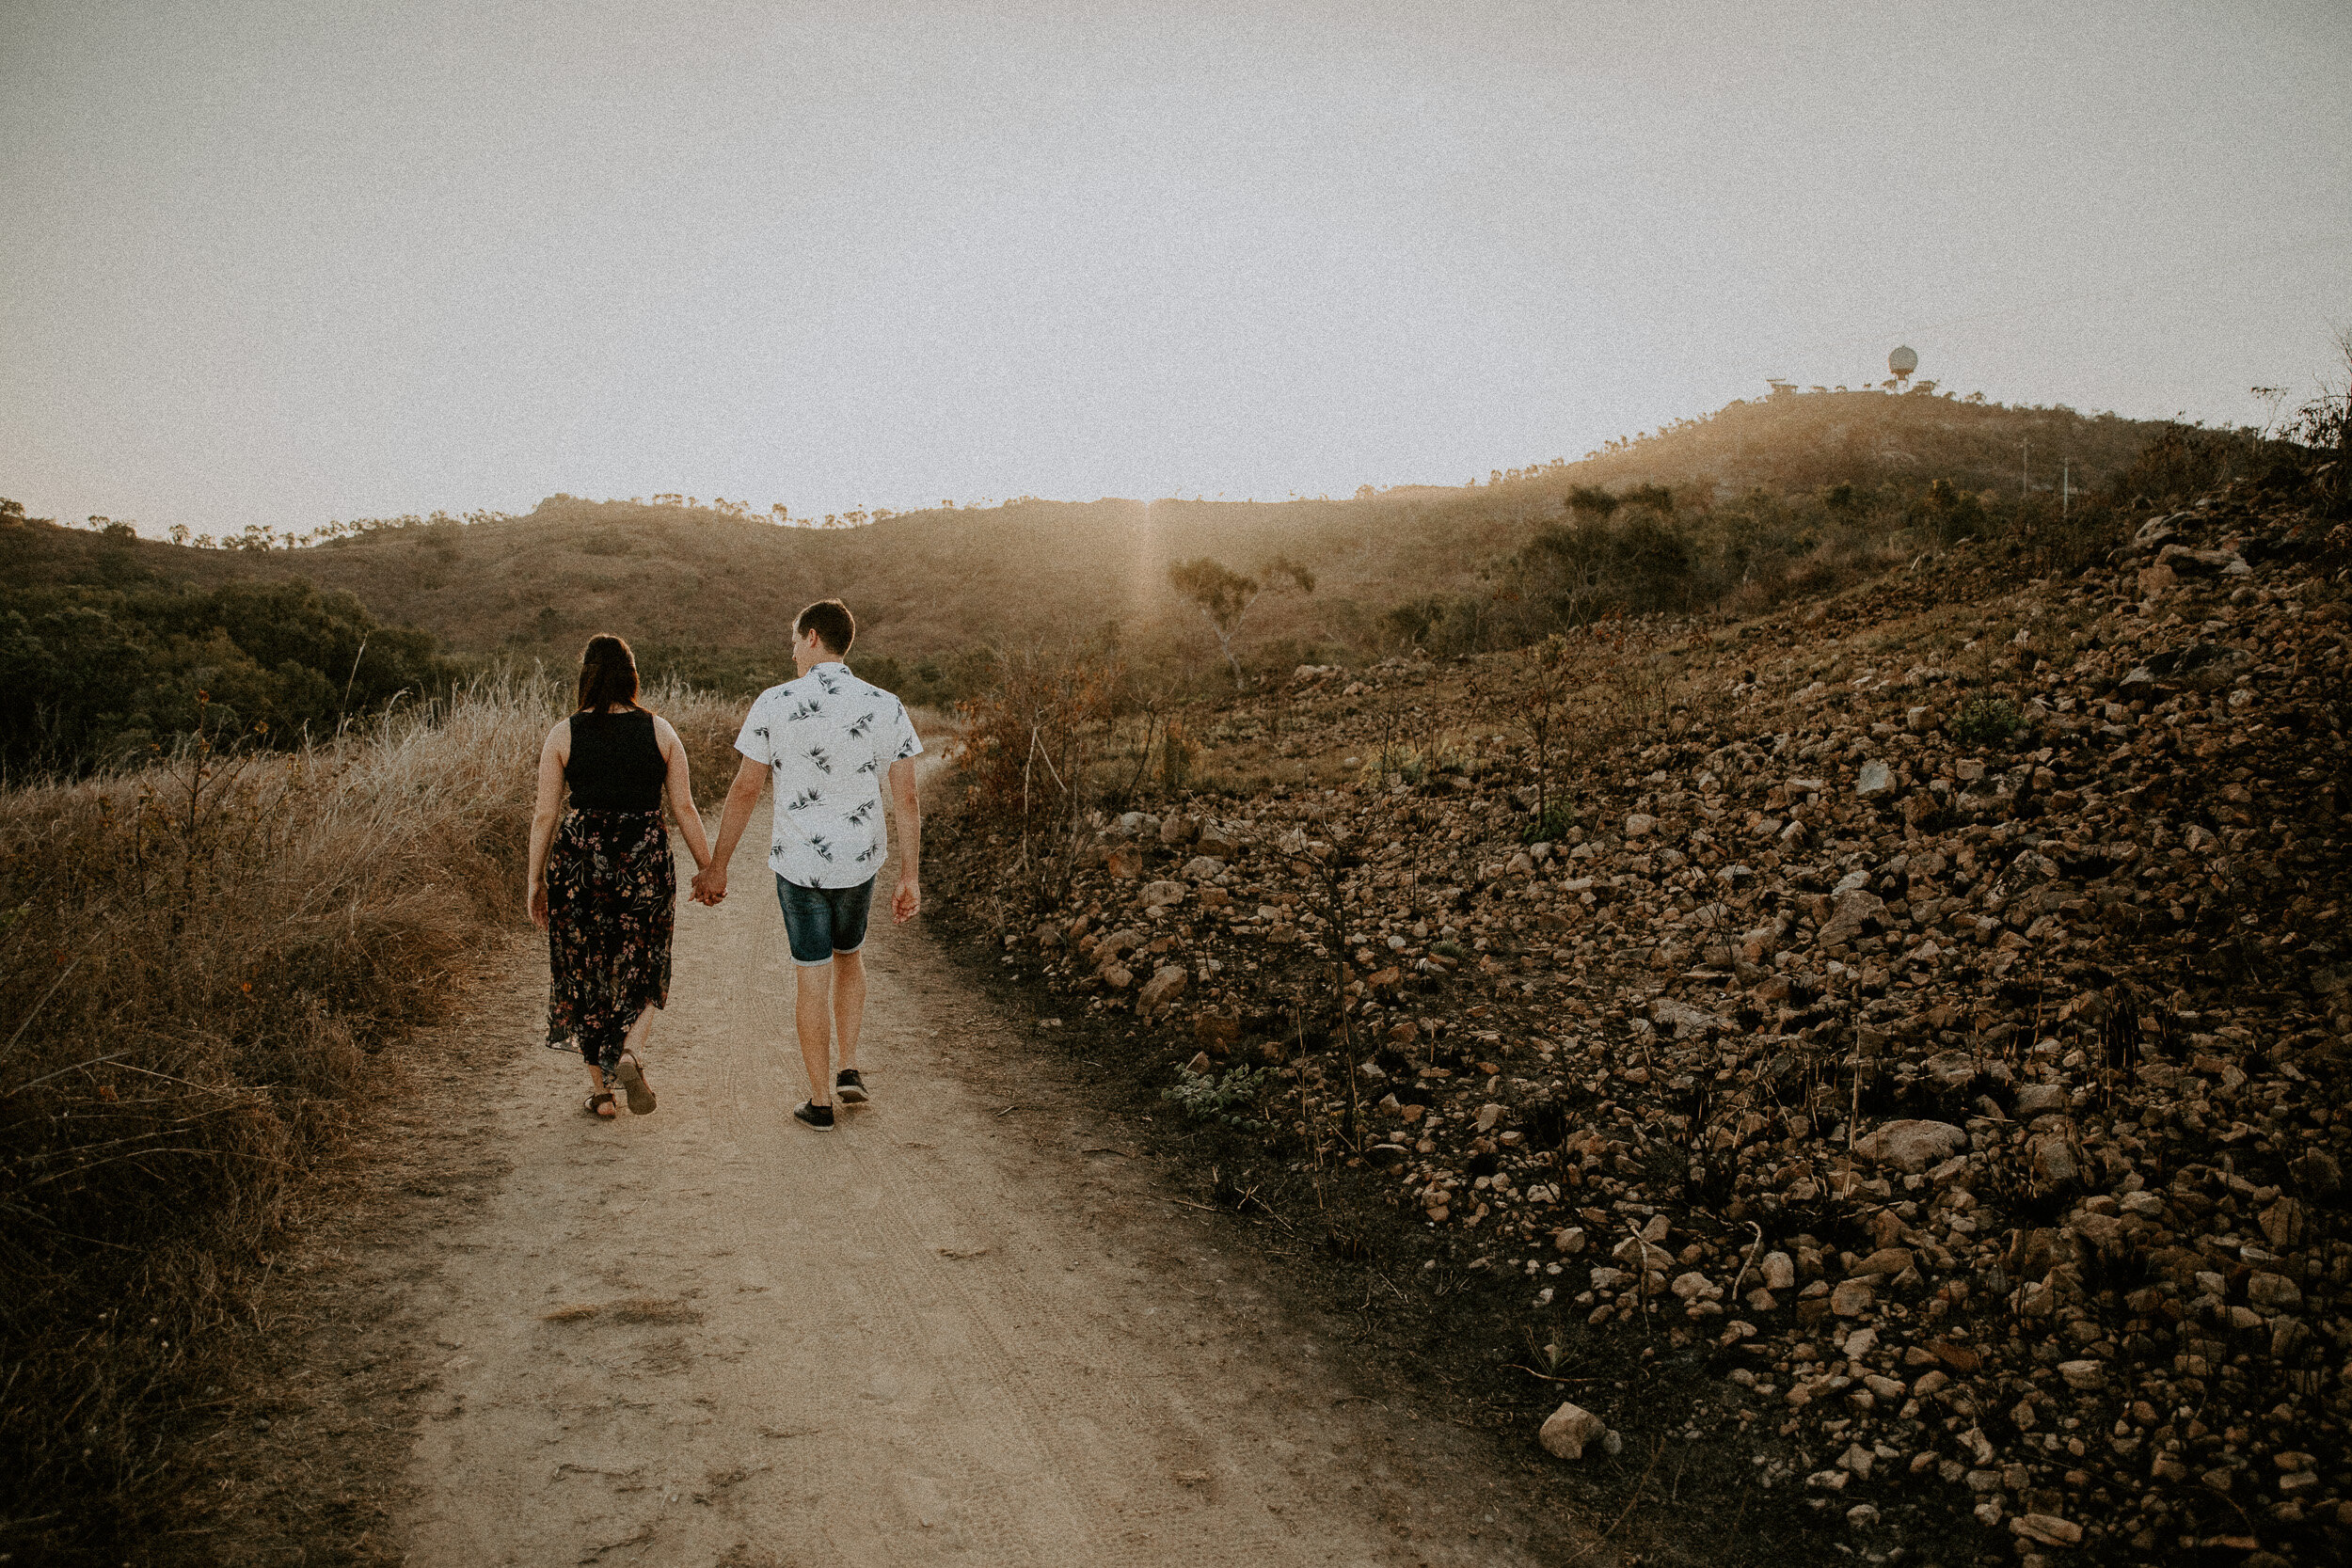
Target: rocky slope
1934,1031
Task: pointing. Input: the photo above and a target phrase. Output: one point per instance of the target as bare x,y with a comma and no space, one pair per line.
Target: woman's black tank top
616,762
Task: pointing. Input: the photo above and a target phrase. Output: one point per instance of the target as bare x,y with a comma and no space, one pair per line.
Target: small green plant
1177,756
1454,950
1984,718
1552,824
1230,1098
1396,759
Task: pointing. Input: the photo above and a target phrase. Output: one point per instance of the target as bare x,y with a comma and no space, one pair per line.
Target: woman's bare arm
552,756
680,787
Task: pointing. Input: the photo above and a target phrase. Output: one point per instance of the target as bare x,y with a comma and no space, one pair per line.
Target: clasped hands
711,888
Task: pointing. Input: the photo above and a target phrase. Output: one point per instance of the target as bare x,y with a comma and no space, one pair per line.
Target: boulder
1854,907
1164,987
2186,562
1156,894
1912,1146
1179,828
1886,1262
1638,823
2054,1157
2275,1291
1681,1020
2084,1376
1877,779
1202,868
2048,1530
1124,863
2035,1099
1569,1430
1952,1069
1217,1033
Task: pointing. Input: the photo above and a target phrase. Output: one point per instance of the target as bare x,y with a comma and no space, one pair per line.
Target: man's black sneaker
848,1087
809,1114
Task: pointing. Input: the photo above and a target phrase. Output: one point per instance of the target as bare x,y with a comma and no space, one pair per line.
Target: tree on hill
1590,500
92,676
1223,595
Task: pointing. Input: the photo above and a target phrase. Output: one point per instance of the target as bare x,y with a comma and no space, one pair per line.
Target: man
827,738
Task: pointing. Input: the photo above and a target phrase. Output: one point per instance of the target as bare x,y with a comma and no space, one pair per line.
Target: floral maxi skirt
611,895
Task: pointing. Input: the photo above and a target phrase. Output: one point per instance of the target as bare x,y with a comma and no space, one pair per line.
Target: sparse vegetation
1233,1098
1983,720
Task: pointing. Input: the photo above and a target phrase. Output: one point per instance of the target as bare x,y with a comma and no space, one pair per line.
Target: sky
282,263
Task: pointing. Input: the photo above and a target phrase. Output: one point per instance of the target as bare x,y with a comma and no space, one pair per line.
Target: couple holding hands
603,887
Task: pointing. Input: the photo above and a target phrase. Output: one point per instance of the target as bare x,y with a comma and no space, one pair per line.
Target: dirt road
946,1331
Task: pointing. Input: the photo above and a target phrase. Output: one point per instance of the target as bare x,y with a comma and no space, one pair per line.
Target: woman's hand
539,903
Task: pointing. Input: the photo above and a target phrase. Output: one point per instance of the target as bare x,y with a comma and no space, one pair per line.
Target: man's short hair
831,620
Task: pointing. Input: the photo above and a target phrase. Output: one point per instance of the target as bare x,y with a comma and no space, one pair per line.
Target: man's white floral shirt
827,739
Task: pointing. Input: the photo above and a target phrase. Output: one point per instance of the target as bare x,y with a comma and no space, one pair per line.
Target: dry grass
205,970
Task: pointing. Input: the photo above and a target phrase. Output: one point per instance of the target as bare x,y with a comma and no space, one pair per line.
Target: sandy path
939,1333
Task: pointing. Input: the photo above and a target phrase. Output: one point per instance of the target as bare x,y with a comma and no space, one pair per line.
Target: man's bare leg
849,1005
812,1014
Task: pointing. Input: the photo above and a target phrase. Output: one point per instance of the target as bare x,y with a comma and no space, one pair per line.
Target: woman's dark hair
831,620
608,673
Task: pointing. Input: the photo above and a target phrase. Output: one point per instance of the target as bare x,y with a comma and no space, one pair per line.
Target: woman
601,883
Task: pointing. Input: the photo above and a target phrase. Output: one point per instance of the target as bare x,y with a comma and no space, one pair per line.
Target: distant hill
711,591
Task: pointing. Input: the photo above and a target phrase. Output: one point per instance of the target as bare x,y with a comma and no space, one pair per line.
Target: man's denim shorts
822,921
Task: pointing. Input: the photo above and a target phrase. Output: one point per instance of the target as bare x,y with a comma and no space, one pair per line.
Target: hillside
1904,1085
711,587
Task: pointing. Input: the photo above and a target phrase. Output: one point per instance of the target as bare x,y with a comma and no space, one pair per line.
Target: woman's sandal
595,1099
633,1077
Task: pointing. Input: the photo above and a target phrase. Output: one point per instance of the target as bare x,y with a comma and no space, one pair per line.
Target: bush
1557,818
1030,747
1983,720
1230,1098
2181,461
92,678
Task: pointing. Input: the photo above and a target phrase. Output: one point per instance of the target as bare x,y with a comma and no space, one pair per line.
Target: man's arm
905,805
710,884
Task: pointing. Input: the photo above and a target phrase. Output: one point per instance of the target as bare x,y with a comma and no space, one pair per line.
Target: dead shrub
1030,744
